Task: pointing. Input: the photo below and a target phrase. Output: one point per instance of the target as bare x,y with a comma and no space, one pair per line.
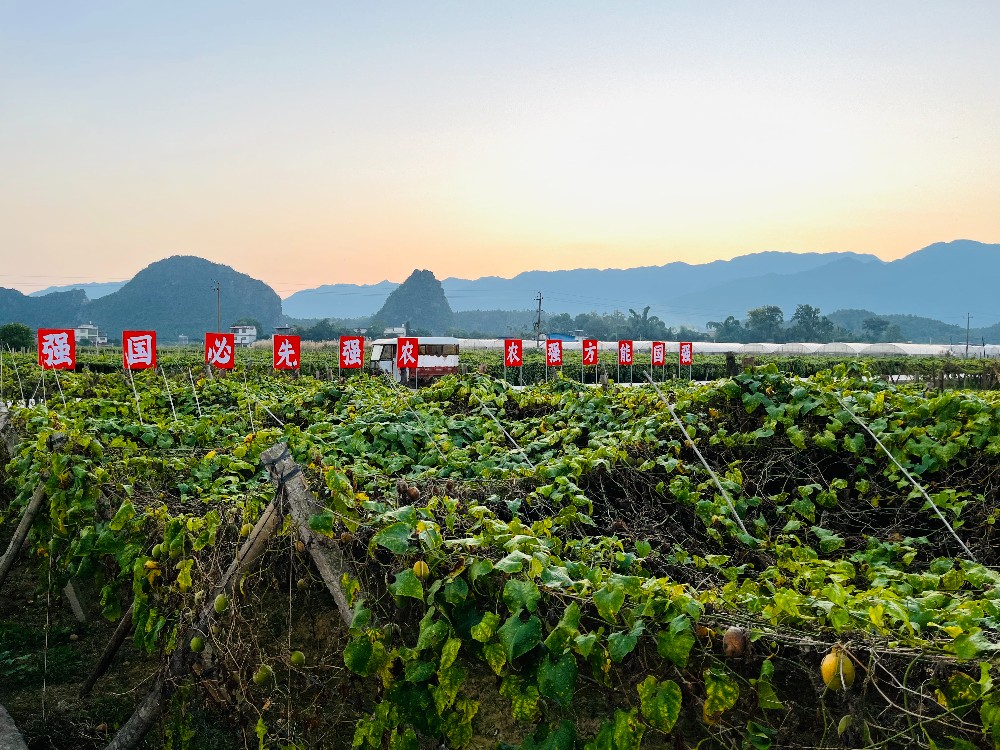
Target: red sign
513,352
352,352
57,348
287,352
685,353
589,351
407,352
625,352
138,350
220,350
553,353
658,353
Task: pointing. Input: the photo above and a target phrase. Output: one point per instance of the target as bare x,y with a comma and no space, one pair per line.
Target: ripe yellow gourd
837,669
420,569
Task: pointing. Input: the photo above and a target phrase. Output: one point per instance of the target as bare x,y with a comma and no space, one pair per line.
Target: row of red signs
57,351
514,352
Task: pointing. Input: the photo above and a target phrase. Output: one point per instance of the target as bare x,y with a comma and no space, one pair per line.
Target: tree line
767,324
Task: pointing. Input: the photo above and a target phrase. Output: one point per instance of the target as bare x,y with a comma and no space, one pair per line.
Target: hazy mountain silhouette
574,291
51,311
93,289
943,281
419,302
176,296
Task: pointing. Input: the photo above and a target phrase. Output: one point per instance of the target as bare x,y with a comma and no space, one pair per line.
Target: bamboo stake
117,639
21,533
149,710
326,553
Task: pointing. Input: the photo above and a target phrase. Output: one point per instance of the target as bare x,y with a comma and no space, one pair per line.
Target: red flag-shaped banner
287,353
625,352
352,352
138,350
589,351
685,353
56,348
407,352
553,353
220,350
513,352
658,353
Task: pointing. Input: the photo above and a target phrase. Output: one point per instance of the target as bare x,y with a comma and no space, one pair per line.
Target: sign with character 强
685,353
56,348
352,352
553,353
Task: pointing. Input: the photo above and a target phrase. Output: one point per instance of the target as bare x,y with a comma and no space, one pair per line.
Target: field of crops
308,562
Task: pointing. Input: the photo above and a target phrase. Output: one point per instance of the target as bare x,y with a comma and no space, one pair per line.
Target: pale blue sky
353,142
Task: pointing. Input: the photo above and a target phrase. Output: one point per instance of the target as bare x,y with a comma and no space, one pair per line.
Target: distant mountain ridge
173,296
573,291
93,289
943,281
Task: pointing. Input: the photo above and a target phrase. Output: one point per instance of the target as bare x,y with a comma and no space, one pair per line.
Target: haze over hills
573,291
172,296
943,281
93,289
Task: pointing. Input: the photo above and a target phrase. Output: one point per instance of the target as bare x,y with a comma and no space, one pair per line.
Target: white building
87,333
244,335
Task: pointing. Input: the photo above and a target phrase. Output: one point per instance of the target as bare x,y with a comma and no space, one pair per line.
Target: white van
437,356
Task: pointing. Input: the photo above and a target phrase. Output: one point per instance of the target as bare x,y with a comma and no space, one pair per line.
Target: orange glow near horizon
351,145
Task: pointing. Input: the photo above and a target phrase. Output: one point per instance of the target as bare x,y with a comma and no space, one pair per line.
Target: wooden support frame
291,488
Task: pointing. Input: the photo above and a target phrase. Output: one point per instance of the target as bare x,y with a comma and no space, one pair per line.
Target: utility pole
968,321
218,305
538,321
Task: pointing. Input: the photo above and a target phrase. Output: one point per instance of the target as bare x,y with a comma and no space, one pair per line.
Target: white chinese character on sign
406,354
513,352
55,347
221,353
686,352
553,347
350,352
658,352
285,352
590,351
625,353
139,350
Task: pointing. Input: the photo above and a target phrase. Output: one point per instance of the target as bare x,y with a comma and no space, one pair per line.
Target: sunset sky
308,143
